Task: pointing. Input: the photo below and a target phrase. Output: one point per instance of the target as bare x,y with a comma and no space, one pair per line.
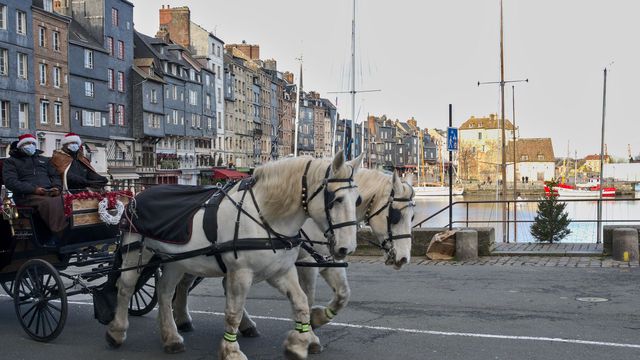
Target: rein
288,241
392,214
329,199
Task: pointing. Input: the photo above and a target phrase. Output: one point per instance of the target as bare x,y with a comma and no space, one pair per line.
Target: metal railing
467,221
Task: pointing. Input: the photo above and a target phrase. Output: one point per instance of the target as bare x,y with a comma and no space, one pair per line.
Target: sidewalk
540,261
534,249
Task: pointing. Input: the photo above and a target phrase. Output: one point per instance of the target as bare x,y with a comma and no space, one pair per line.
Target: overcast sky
427,54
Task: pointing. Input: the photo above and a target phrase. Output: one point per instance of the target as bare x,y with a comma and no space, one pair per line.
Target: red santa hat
27,138
71,138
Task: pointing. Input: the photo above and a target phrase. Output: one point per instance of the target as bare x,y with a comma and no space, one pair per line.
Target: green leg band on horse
230,337
302,328
329,313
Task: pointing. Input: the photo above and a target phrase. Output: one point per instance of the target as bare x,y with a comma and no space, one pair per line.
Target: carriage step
322,264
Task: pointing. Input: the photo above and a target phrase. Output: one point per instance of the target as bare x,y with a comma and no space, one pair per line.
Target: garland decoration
110,196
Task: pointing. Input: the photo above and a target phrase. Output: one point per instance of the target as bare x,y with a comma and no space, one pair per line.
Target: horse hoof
174,348
318,317
290,355
315,349
186,327
112,342
250,332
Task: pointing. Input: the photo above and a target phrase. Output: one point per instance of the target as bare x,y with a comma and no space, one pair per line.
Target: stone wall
421,239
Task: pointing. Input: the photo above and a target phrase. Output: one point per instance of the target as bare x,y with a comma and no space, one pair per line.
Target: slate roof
531,148
491,122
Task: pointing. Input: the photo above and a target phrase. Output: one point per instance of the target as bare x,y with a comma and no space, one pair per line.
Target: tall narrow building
50,58
16,72
103,27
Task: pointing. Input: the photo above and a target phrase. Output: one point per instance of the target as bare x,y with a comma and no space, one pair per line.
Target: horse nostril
342,252
404,260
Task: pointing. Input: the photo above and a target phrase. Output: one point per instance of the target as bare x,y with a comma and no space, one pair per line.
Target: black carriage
39,274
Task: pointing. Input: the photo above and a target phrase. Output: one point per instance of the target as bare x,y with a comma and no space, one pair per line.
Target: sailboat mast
604,107
333,138
575,168
504,167
362,136
420,151
353,80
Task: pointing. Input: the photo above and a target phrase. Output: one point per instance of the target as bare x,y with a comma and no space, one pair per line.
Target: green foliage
551,224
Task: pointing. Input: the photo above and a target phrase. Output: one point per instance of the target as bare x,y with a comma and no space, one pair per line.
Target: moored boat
437,190
569,191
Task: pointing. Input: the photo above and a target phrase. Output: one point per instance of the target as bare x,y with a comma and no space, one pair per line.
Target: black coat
79,176
22,173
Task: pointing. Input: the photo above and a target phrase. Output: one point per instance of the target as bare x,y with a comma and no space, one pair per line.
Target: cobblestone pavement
555,261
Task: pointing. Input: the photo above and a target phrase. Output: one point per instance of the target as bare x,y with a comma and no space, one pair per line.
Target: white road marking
425,332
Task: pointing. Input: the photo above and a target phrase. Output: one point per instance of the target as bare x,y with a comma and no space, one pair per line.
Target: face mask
29,149
73,147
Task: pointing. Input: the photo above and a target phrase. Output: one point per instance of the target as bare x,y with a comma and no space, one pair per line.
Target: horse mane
282,182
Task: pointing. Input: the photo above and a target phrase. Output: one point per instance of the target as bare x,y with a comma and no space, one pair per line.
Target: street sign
452,139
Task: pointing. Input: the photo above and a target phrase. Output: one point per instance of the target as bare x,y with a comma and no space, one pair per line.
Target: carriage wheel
144,299
8,287
40,300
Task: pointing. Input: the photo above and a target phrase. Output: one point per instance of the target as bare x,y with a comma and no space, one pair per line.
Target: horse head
389,211
329,198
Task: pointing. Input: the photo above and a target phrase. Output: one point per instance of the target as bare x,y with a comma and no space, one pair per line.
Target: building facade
535,160
108,23
481,148
88,112
17,111
51,39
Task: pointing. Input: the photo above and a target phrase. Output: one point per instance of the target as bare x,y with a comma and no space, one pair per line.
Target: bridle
329,200
393,217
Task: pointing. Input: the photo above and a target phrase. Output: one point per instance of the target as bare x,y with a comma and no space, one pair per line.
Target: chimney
288,77
271,64
177,23
251,51
163,34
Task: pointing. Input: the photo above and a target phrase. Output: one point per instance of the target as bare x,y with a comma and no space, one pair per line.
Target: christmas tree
551,224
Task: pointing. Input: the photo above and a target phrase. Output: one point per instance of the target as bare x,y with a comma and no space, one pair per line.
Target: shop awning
228,174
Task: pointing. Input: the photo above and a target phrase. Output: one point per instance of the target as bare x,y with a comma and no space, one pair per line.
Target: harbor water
486,215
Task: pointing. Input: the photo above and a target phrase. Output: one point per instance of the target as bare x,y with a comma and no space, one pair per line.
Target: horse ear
338,162
397,182
357,162
409,179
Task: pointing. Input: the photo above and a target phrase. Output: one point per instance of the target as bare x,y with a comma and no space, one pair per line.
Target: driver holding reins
80,174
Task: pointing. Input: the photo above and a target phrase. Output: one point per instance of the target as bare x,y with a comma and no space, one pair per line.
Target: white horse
386,204
328,197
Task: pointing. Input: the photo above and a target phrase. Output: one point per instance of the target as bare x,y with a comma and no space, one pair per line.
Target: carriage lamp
9,212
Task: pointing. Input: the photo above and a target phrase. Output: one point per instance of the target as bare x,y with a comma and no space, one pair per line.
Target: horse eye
339,199
412,217
359,200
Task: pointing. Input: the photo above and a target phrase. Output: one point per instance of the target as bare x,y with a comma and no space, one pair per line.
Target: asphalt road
421,312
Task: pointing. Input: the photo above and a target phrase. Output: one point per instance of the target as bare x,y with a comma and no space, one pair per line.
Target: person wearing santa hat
35,183
80,175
